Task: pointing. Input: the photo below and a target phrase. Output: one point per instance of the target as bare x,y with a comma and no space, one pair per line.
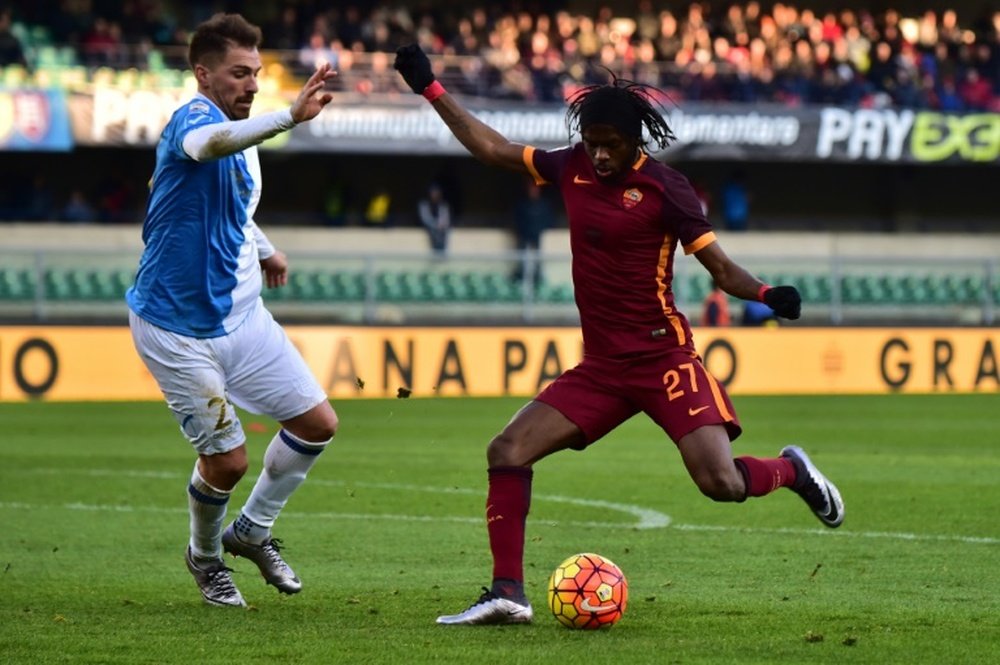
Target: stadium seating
87,284
16,285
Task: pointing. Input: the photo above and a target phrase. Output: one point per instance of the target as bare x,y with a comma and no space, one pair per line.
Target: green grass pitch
387,533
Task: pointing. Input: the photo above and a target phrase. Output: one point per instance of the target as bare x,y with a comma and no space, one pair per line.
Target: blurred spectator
736,201
715,309
335,207
728,52
316,52
78,209
283,32
948,98
377,212
116,198
38,201
975,91
435,215
102,46
532,215
11,49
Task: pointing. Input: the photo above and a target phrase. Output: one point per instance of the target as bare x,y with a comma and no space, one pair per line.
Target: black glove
413,64
784,300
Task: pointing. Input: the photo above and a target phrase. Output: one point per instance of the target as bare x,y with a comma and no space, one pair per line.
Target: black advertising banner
718,132
724,132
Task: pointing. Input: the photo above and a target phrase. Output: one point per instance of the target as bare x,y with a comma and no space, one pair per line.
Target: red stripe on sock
507,504
763,476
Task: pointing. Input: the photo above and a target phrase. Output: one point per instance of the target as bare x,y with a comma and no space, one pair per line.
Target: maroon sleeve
546,166
683,210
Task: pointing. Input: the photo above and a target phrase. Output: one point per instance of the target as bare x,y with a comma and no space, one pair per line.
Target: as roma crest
631,198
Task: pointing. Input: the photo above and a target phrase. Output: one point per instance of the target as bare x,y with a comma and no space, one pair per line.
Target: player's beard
240,109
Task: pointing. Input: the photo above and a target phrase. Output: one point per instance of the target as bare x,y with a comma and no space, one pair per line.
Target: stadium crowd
540,52
746,51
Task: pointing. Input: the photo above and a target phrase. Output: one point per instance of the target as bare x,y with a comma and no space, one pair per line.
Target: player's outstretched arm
737,281
220,139
482,141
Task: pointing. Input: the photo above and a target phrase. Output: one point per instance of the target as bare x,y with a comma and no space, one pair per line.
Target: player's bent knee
503,451
324,430
316,425
721,486
224,471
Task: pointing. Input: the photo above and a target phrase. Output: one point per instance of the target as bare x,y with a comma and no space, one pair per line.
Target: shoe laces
221,580
487,596
272,548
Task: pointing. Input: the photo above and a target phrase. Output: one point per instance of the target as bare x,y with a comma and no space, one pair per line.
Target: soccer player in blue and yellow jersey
197,317
627,214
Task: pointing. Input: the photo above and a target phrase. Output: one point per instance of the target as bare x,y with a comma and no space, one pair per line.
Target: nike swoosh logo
599,609
577,180
695,412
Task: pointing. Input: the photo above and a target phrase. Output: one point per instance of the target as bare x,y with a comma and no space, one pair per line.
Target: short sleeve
693,230
546,166
196,113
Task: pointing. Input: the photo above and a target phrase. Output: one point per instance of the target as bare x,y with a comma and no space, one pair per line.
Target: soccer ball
587,591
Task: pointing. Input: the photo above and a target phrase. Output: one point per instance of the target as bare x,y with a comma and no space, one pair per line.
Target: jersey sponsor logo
695,412
597,609
198,111
631,198
577,180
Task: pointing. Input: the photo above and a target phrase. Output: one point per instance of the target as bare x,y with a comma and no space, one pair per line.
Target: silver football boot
268,559
215,582
490,609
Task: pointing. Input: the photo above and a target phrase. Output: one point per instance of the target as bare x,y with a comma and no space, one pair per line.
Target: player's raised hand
412,63
308,104
784,300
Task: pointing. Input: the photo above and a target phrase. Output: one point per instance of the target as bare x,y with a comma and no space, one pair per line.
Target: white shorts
255,366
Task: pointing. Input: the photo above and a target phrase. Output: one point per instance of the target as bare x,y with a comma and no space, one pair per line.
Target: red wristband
760,292
433,91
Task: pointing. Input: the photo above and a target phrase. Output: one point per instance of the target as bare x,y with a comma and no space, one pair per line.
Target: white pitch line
88,507
648,518
840,533
102,508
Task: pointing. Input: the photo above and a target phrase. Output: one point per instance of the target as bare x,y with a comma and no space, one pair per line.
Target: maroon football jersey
623,235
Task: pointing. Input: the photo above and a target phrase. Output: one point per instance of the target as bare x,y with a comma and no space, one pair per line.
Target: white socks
286,463
207,506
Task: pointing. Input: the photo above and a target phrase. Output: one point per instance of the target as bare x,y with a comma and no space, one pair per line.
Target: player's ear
201,74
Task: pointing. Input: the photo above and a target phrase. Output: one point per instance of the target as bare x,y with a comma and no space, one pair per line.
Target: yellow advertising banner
100,363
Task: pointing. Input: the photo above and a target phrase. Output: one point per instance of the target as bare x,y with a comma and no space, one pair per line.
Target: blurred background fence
510,287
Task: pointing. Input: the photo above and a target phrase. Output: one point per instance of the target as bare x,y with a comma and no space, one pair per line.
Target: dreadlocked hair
624,104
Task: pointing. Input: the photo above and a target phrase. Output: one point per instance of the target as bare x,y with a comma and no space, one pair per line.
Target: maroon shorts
674,390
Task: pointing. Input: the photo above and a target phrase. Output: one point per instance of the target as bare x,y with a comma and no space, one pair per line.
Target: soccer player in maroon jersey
627,214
